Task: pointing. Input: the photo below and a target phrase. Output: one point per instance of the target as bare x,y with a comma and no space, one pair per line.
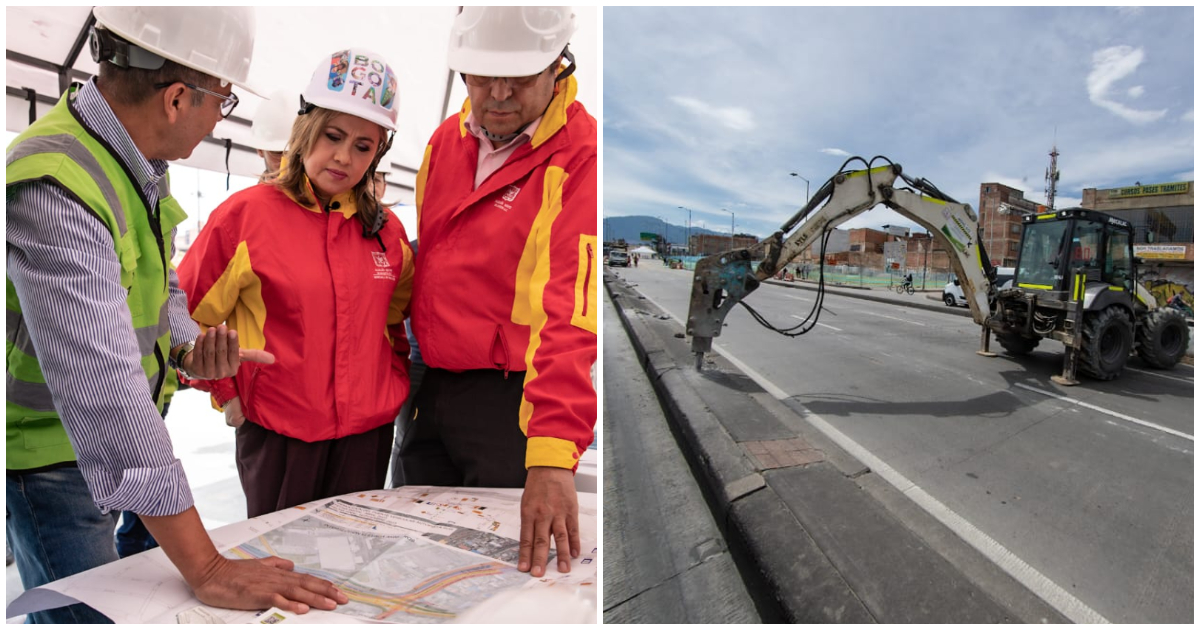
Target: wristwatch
177,360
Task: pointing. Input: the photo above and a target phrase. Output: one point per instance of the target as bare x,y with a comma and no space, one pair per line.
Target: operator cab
1056,245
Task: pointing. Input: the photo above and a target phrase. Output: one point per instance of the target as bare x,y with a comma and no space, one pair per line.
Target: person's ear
172,101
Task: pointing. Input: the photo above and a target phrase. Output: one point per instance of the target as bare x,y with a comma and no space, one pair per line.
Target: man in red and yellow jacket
504,301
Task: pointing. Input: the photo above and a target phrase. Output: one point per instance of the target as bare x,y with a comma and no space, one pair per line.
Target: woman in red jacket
312,268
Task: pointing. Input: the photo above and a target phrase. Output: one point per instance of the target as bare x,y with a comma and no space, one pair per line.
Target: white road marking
1107,411
1162,375
663,309
899,319
1066,603
779,394
819,323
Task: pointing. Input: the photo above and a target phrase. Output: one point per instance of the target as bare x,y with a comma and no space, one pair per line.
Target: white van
952,293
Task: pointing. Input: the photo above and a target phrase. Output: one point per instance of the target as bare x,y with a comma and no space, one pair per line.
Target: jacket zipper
249,395
587,280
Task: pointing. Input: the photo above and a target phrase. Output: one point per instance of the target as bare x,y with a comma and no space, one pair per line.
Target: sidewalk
820,537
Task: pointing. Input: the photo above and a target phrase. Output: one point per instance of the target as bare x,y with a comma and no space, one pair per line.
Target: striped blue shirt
64,266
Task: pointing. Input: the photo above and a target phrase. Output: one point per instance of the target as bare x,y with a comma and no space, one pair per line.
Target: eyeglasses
228,103
516,83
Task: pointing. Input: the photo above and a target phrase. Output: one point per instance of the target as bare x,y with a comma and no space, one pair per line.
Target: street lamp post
925,259
732,218
689,229
805,186
666,242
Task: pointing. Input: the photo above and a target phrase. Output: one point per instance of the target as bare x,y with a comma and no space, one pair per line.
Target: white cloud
1129,11
680,151
1188,116
735,118
1189,176
1109,66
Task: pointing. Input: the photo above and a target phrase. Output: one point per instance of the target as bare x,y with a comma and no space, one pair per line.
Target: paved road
665,560
1091,486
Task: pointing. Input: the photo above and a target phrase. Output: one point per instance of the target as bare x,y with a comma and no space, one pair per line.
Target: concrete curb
812,543
787,575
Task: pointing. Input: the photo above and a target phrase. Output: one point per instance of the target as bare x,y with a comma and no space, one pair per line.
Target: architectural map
407,555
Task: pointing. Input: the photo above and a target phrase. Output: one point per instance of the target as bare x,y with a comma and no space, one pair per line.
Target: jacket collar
554,119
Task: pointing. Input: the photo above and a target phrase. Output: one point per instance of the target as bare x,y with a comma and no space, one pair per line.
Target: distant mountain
631,229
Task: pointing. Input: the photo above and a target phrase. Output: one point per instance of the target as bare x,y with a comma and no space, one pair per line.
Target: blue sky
713,108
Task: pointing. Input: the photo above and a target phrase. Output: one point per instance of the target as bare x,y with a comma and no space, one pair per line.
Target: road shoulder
824,539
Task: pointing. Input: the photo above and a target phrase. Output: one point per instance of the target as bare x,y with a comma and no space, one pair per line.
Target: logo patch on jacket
509,196
383,269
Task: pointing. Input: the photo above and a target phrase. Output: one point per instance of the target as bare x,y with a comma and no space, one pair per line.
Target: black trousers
465,431
279,472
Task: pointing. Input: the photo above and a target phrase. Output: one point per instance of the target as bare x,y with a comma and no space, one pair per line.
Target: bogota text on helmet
358,82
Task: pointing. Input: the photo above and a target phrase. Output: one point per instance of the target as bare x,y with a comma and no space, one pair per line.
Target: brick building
923,252
706,244
1002,225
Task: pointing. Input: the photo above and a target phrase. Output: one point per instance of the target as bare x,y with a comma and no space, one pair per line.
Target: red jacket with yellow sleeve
304,284
506,273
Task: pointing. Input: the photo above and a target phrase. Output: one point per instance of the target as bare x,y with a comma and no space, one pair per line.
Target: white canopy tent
46,48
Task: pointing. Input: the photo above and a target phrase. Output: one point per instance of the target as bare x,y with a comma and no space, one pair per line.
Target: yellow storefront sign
1173,188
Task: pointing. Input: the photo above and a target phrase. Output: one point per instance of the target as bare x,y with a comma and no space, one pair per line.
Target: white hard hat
509,41
273,121
218,41
356,82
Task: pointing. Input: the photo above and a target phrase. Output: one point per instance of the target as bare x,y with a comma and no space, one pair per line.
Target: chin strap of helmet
305,107
508,137
570,69
228,150
373,230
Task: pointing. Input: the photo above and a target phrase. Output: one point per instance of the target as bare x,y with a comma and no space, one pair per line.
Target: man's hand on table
549,508
240,584
261,584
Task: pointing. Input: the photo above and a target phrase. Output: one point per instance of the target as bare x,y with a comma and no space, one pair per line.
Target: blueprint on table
414,555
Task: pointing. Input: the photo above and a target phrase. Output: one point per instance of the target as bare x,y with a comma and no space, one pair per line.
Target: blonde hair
305,132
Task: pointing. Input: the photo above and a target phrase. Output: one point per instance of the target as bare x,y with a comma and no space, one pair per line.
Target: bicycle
905,286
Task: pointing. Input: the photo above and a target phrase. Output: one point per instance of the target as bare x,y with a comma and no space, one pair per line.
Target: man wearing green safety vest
96,319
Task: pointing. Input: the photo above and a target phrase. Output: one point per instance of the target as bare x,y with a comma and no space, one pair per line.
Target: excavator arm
725,279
